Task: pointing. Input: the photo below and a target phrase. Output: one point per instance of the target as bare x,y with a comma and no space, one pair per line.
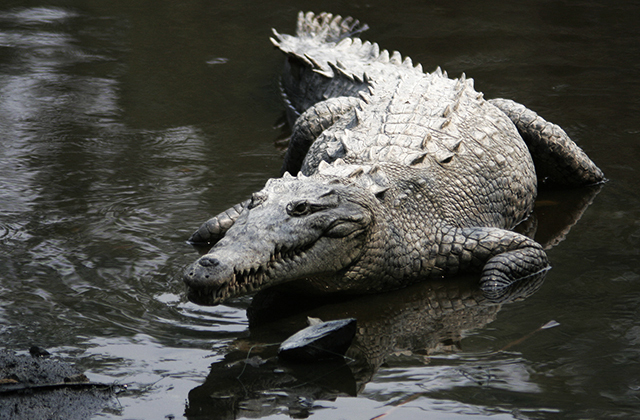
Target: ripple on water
128,211
7,230
38,15
157,376
214,320
451,374
14,206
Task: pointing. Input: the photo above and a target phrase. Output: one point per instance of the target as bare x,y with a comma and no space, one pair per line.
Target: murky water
124,125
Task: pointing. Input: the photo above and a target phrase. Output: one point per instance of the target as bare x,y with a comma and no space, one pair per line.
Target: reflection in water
81,193
421,323
557,211
417,322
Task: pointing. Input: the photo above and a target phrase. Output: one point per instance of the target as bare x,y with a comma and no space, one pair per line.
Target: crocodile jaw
305,230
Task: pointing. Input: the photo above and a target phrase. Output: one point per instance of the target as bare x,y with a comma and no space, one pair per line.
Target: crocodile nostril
208,262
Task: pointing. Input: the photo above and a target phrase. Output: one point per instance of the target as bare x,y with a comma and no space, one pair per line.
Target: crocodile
393,175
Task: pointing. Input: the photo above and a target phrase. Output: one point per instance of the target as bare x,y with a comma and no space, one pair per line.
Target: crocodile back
471,155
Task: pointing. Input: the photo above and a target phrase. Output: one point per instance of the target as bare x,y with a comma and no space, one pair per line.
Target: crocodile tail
315,68
327,27
324,27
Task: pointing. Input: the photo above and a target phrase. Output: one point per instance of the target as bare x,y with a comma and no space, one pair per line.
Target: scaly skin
405,175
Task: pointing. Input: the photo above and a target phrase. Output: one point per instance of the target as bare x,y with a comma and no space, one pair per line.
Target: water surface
124,125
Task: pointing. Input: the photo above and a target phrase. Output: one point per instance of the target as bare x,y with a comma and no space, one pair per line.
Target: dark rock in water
34,370
322,341
41,387
36,351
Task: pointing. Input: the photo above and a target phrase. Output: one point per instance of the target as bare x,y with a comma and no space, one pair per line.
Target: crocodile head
295,228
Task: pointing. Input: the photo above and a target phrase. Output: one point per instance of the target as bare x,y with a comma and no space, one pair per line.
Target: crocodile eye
298,208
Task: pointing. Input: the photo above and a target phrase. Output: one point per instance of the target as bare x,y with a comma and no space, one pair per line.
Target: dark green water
124,125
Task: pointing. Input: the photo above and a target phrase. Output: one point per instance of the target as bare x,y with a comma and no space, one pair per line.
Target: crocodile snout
207,280
207,272
207,261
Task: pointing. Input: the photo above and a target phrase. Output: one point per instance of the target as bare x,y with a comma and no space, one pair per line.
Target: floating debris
217,60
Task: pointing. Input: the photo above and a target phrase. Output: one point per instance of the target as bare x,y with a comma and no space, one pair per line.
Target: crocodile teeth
250,279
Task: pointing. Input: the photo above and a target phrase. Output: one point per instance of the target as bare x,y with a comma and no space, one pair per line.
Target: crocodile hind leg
310,125
558,160
511,264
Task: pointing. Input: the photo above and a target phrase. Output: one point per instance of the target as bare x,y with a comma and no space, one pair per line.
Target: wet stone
323,341
37,385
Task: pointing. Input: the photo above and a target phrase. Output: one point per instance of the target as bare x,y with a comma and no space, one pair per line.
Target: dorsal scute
327,27
383,57
396,58
327,45
371,177
345,44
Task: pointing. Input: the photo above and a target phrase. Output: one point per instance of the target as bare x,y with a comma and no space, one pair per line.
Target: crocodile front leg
214,229
507,260
557,158
310,125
